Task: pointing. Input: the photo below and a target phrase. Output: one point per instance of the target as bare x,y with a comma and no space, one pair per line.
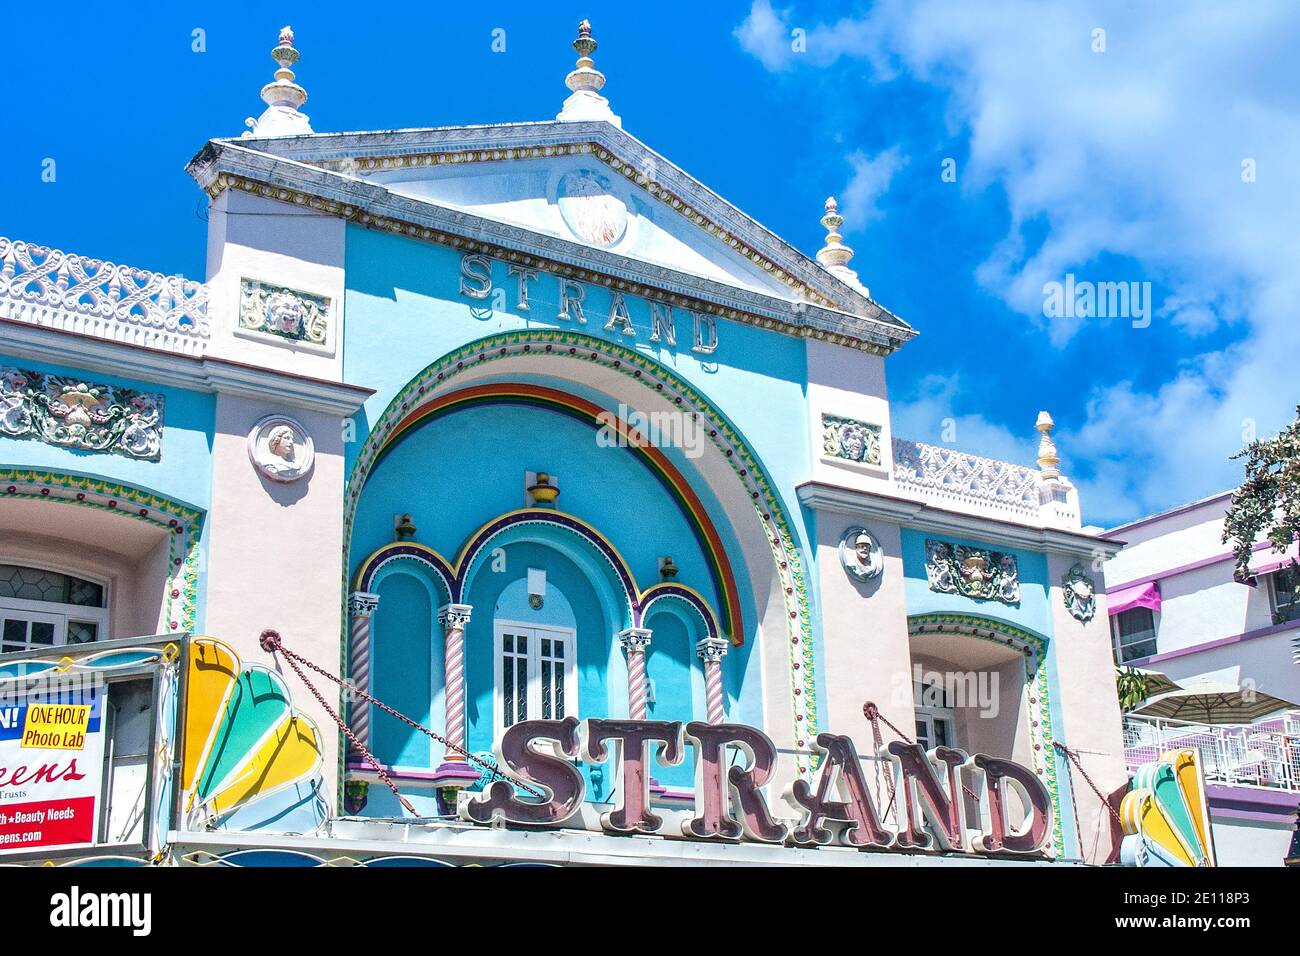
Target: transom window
1134,634
43,608
534,673
1286,594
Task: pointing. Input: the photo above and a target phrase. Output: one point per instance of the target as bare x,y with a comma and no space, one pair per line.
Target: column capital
713,649
362,603
454,615
634,639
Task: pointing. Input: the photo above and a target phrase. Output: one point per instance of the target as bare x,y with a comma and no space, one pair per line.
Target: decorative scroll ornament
590,210
72,293
861,555
250,758
286,313
1080,593
280,448
963,475
972,572
1166,816
65,411
851,440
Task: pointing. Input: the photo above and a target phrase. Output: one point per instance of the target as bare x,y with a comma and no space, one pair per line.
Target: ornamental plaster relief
972,572
87,416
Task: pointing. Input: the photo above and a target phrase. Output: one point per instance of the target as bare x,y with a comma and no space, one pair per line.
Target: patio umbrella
1157,683
1212,702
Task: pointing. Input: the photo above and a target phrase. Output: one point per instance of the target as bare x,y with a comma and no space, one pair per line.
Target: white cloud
1133,155
869,182
930,415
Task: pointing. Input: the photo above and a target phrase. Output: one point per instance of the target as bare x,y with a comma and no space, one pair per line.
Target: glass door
534,673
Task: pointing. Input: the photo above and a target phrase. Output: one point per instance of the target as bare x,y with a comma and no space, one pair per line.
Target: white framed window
934,730
534,673
1284,591
1134,634
935,715
44,608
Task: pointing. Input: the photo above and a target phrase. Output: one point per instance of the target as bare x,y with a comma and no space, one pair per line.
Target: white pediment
578,199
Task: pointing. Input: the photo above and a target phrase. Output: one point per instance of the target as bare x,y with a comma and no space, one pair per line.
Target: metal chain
872,713
1074,759
271,642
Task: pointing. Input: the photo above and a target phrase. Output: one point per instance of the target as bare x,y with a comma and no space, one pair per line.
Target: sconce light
667,570
403,527
536,588
543,489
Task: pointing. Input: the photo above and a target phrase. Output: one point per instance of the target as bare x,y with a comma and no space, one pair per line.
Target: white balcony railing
1263,754
71,293
958,476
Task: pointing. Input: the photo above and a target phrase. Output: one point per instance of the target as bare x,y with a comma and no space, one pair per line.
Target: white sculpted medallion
590,210
280,448
861,555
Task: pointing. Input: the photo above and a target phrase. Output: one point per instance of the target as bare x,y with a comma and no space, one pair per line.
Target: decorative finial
835,255
1049,462
586,81
283,97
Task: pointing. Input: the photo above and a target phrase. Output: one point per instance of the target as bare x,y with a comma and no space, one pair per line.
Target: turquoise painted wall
608,487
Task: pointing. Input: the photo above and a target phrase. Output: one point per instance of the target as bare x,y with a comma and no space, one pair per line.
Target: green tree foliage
1132,687
1267,505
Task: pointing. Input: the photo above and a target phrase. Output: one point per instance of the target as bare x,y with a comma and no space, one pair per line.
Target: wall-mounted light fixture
536,588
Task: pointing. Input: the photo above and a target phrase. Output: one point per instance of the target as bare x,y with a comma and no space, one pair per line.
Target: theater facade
581,482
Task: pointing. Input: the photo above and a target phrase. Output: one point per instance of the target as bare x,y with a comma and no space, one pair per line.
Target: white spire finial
1049,462
283,97
835,255
586,81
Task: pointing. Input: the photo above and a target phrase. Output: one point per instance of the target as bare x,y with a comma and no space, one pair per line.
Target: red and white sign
51,768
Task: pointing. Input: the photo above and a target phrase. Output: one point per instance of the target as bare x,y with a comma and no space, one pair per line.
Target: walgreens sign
51,768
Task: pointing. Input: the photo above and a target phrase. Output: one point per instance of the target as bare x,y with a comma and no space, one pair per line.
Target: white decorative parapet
961,477
71,293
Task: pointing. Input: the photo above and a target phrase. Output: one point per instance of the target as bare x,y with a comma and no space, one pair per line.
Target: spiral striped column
453,619
712,650
634,641
361,608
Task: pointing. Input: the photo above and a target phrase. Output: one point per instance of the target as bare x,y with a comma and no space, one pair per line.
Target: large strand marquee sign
927,787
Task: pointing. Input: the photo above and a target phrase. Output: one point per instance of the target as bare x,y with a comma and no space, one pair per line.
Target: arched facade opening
653,565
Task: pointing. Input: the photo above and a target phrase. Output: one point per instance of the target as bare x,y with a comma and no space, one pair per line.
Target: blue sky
1122,164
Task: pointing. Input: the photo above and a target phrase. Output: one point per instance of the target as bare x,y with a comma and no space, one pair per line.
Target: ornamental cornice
616,148
920,516
224,165
203,374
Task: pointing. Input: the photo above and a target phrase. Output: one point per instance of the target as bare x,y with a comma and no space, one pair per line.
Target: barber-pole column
712,650
455,770
634,641
361,608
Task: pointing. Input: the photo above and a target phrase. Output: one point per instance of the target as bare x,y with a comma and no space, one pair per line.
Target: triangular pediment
579,192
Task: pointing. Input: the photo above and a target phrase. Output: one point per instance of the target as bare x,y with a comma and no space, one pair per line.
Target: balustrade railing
72,293
1264,754
962,476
